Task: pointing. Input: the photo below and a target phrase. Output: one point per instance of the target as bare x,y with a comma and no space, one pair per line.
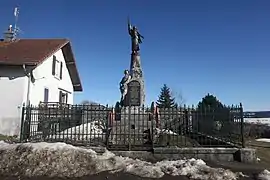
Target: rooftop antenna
16,30
12,33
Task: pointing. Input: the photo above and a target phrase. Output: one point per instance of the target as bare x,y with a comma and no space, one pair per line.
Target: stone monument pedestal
130,129
133,110
135,92
133,119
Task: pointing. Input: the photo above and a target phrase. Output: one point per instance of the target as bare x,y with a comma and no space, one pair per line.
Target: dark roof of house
34,51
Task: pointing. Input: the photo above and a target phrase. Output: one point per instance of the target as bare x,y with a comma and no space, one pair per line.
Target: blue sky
194,46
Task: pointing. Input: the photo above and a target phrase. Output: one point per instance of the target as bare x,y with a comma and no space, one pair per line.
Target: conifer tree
165,99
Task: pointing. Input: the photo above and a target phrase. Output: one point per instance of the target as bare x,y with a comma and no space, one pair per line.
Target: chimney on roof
9,35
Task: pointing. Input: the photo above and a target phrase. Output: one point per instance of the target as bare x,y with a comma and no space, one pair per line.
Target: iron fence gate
133,128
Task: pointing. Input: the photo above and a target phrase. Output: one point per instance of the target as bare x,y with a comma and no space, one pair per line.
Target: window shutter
66,98
60,96
53,65
61,70
46,95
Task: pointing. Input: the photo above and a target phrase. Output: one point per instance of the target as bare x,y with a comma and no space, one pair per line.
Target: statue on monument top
132,84
136,37
124,85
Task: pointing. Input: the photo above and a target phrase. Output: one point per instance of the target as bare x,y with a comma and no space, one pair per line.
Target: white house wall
12,96
44,79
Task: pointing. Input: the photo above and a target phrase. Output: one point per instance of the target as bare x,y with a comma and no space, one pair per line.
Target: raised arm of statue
140,37
129,27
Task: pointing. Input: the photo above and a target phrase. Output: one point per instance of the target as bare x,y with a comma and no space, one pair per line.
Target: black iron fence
133,128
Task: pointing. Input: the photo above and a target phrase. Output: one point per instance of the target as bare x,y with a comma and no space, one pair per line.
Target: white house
34,71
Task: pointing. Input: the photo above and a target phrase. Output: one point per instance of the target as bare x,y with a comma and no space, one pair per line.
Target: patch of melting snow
165,131
265,175
91,130
263,140
62,160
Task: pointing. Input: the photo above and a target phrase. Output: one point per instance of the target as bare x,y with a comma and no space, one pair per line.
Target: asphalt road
117,176
101,176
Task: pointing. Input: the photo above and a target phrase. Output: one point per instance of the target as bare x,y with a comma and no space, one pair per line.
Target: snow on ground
94,129
265,175
62,160
265,121
165,131
263,140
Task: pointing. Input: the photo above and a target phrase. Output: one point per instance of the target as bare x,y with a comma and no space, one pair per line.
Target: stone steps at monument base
126,130
133,123
135,118
124,139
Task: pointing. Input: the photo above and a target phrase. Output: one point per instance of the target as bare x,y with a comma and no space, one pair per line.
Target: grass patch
262,150
7,138
2,137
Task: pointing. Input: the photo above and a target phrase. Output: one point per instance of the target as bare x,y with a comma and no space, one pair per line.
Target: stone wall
244,155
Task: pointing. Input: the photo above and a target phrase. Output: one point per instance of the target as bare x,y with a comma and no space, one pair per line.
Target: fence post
26,123
153,111
22,124
242,126
109,123
129,129
186,120
117,112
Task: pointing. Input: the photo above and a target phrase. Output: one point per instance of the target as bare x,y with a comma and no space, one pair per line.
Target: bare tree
87,102
179,99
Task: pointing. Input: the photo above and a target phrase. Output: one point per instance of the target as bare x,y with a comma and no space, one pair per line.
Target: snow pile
265,121
263,140
92,130
265,175
62,160
165,131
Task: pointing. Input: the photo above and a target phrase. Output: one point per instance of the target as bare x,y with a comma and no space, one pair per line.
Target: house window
57,68
63,97
46,95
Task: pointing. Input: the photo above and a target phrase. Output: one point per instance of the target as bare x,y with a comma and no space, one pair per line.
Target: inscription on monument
134,93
